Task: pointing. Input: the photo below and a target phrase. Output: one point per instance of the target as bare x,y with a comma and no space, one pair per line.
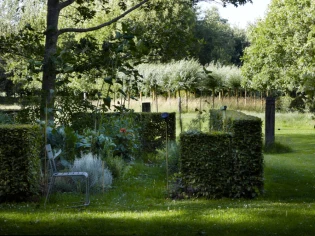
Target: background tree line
278,50
157,32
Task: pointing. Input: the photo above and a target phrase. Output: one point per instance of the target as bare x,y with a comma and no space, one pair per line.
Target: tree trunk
186,96
180,114
213,91
236,93
49,65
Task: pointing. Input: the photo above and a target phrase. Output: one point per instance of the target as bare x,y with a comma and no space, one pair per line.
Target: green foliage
126,128
29,112
66,139
5,118
69,104
221,120
117,166
283,103
197,123
280,55
165,30
248,158
219,41
106,135
124,131
169,78
206,164
20,162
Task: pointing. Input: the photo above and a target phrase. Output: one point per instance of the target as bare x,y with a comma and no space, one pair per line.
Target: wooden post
270,121
146,107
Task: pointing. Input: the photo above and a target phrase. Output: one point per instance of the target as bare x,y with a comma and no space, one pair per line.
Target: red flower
122,130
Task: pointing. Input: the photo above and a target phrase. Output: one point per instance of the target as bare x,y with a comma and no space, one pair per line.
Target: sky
242,15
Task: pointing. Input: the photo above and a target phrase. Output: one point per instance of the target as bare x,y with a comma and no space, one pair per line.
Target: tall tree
281,50
85,12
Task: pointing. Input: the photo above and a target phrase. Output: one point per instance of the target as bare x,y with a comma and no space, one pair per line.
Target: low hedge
225,163
19,162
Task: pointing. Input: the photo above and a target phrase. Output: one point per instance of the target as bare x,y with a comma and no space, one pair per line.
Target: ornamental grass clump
100,176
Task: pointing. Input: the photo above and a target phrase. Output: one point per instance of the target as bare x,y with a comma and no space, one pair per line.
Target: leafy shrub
289,104
66,139
123,130
98,176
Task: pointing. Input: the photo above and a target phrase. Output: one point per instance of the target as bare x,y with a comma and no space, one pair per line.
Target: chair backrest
51,158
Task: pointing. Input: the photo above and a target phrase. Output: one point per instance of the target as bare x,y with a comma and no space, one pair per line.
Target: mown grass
139,205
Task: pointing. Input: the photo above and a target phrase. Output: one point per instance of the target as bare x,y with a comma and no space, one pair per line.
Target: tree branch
65,4
82,30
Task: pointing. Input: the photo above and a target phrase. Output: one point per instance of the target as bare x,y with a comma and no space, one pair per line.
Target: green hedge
248,158
19,162
227,163
206,164
23,116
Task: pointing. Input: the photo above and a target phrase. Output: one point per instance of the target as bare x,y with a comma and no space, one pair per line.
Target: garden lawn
138,204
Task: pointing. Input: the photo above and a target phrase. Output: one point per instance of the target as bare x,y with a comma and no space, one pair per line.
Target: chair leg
87,200
50,186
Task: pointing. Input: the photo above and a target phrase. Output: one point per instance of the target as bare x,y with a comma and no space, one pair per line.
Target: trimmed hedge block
19,162
206,163
228,163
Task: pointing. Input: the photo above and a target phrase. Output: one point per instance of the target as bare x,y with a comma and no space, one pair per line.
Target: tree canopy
219,41
280,56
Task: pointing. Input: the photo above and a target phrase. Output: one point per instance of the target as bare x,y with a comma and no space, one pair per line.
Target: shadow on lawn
200,221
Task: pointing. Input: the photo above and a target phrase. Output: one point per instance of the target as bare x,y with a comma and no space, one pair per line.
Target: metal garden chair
56,174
